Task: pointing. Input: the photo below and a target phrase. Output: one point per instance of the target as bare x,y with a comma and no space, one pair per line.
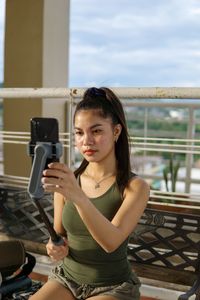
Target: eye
97,131
78,132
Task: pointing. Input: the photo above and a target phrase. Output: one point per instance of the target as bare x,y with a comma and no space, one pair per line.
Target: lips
89,152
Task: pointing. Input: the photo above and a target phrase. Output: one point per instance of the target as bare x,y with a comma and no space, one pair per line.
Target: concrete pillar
36,55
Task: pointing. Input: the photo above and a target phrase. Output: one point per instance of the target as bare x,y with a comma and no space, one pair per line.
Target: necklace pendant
97,185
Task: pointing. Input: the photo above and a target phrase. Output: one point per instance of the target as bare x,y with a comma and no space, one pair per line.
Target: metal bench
166,246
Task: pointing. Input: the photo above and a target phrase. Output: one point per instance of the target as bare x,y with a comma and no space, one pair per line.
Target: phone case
44,130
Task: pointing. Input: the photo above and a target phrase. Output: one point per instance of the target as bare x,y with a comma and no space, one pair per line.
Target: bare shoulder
138,188
137,183
135,198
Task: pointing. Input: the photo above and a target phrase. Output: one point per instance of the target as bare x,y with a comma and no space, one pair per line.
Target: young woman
95,208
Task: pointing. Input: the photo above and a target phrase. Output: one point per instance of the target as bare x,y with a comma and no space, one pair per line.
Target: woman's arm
108,234
58,208
58,252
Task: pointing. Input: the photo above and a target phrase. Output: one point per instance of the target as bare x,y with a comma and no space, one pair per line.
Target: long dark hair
108,104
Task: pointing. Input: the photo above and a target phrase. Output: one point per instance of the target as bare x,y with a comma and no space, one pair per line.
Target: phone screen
44,130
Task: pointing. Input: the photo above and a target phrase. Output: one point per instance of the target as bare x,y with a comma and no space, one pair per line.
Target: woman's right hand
57,253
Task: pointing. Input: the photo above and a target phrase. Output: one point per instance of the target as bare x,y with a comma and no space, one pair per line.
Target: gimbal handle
42,151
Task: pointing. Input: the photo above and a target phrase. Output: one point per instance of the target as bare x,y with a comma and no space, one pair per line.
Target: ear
117,131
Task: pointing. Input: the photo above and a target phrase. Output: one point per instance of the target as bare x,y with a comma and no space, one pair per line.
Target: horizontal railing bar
160,177
2,132
176,199
136,92
168,145
151,92
35,93
174,205
27,135
193,103
170,120
18,185
172,146
17,179
161,134
166,139
14,136
153,192
133,143
13,177
25,138
136,149
17,182
25,143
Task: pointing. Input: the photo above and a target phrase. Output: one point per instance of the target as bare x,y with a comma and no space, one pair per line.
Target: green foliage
154,124
170,172
197,128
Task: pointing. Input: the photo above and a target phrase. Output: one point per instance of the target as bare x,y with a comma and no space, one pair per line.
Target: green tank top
87,262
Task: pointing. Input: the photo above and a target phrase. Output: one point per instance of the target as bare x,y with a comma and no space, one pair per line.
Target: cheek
78,142
106,140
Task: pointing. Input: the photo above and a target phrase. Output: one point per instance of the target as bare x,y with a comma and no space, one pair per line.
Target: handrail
130,97
135,92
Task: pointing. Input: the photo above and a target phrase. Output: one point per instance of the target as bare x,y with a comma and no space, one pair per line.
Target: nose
88,139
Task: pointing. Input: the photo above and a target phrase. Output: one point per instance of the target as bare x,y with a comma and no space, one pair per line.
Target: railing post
70,150
189,156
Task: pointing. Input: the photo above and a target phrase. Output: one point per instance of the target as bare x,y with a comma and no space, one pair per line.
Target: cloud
131,42
143,42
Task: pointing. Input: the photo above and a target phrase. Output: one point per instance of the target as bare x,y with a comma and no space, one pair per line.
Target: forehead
89,118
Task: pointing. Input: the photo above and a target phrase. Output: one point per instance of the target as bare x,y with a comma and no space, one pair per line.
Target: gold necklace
97,183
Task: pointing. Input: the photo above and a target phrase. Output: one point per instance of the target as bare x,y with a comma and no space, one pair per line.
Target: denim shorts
128,290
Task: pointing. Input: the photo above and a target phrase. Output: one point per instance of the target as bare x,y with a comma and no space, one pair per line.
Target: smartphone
44,130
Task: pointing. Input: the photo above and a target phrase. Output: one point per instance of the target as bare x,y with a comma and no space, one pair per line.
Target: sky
131,43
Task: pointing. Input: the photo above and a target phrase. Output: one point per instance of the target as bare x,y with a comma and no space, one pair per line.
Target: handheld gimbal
43,148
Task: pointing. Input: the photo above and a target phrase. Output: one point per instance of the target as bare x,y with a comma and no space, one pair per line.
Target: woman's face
94,135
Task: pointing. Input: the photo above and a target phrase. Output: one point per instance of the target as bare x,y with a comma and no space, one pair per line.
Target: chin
90,159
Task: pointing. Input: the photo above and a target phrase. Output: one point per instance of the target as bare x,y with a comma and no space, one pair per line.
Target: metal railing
188,98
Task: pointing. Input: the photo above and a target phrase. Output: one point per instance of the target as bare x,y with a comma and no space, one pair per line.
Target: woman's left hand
59,178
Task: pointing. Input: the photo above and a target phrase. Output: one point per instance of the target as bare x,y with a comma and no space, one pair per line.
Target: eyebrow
92,127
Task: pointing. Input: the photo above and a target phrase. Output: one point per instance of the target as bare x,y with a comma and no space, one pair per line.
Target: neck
98,170
99,178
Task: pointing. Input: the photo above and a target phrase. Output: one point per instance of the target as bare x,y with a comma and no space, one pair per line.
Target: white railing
131,93
130,97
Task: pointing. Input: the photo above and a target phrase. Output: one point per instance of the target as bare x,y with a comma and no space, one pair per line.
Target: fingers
57,253
53,181
55,174
58,166
57,177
